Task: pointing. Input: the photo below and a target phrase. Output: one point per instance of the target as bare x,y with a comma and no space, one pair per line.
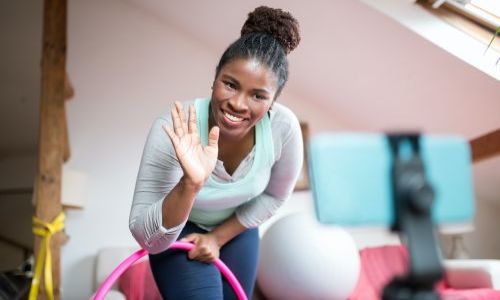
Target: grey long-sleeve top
160,171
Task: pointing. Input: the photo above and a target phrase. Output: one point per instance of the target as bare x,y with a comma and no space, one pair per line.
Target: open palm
197,161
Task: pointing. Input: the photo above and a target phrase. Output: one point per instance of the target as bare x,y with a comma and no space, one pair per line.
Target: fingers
192,126
193,253
201,253
182,117
183,126
206,259
190,238
176,120
173,137
213,137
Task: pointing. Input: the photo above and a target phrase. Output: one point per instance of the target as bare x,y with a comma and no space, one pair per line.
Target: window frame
467,19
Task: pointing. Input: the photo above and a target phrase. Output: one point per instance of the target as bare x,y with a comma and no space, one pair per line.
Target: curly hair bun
276,22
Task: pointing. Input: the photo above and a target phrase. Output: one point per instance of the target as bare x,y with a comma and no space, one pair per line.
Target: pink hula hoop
124,265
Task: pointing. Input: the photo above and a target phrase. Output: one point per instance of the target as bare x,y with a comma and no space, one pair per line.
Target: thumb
193,253
213,137
190,238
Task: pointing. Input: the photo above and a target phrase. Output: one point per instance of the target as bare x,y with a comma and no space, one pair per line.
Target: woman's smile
233,118
242,94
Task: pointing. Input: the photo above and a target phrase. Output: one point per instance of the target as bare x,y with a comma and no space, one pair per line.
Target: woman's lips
231,120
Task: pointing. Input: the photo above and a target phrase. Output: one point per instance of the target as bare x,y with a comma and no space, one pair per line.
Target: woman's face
242,94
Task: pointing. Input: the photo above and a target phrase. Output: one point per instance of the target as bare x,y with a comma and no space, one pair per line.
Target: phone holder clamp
413,198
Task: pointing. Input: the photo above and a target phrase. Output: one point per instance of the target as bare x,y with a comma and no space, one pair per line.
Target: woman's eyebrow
225,76
234,80
263,90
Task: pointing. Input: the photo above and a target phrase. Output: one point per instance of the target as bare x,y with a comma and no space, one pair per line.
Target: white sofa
469,273
106,261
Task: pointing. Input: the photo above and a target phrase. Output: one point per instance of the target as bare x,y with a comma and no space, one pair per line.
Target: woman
226,166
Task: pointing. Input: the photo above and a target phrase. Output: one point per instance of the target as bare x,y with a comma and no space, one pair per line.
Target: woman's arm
171,174
228,230
284,175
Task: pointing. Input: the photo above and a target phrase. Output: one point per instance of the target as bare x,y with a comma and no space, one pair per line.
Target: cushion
380,264
470,294
137,283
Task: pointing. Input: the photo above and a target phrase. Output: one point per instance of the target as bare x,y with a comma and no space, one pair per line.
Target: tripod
413,197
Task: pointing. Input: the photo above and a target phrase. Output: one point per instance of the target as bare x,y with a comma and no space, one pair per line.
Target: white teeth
233,118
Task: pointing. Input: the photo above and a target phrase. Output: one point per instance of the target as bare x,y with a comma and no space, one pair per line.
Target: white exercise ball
303,259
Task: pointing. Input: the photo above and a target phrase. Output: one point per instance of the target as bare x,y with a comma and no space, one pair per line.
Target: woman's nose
238,102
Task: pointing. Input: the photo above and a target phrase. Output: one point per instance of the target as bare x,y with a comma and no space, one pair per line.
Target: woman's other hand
197,161
206,247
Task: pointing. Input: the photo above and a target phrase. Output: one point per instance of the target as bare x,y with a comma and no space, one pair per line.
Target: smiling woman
243,92
224,166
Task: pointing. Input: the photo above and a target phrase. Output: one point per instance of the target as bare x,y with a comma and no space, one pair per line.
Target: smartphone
350,177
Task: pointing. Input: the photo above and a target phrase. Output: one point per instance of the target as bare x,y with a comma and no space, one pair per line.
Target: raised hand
197,161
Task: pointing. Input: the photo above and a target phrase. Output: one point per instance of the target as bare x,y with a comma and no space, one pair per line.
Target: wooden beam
485,146
69,92
66,149
51,130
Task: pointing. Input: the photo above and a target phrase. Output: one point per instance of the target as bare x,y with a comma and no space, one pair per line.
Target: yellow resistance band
45,230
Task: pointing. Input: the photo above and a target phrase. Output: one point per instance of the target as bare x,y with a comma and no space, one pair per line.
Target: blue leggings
178,277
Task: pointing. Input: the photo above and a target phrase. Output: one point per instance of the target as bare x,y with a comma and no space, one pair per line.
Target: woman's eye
260,97
229,84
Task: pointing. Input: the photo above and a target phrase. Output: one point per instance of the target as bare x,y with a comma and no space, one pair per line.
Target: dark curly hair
268,35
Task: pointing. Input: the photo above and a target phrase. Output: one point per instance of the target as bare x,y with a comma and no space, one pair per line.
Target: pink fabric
137,283
380,264
470,294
